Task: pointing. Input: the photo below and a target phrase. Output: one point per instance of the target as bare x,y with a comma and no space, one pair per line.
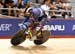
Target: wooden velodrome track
52,46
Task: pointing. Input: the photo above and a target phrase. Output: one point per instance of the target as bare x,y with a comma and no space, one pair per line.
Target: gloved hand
22,26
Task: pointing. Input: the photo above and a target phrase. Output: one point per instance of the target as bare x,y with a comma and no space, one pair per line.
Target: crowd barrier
59,28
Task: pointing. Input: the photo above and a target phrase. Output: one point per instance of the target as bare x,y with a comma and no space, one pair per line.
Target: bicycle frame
30,35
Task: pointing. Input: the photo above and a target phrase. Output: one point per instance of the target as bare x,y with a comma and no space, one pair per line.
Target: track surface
52,46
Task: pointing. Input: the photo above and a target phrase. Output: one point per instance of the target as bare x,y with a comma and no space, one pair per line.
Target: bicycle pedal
33,38
26,32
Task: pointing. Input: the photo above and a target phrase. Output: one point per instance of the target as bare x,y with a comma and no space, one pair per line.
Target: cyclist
33,17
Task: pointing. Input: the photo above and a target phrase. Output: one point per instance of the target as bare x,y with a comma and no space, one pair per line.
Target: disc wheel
44,37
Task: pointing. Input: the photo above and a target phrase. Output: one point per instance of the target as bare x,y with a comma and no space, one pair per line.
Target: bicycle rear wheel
44,37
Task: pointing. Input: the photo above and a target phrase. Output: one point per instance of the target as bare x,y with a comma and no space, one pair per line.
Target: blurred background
56,8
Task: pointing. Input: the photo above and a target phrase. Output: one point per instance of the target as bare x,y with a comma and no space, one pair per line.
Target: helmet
36,12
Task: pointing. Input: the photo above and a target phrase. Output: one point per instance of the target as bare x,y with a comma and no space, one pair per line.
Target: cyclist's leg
24,25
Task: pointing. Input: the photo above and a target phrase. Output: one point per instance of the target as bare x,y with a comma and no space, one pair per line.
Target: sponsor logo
5,27
73,28
54,27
